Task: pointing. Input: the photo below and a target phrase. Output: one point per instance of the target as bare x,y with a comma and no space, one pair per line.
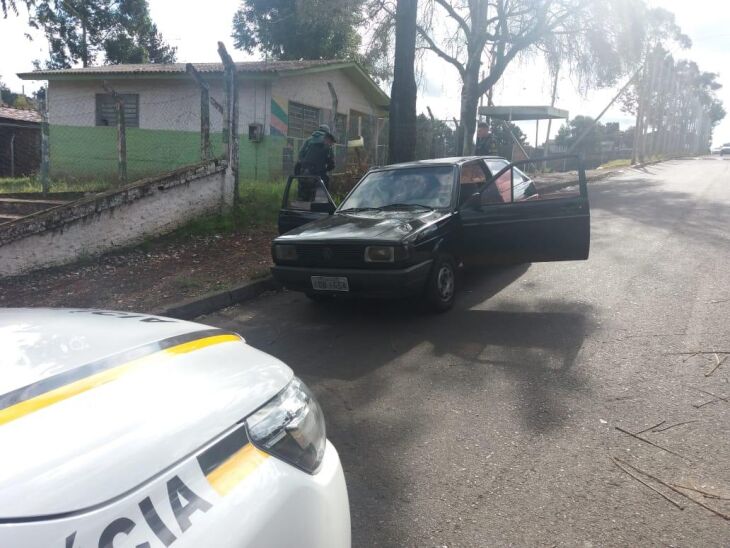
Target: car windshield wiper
407,206
358,209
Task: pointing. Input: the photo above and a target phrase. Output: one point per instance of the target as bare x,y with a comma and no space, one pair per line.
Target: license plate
327,283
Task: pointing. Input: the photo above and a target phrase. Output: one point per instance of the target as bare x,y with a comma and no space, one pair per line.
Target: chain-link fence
112,137
20,142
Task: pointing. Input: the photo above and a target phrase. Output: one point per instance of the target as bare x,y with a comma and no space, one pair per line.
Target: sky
195,33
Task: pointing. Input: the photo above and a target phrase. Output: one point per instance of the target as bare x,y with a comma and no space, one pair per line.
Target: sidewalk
147,278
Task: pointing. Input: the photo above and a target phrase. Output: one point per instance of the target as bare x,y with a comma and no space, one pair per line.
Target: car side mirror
474,201
322,207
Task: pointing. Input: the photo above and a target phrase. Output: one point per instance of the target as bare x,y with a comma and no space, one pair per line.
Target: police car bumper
270,504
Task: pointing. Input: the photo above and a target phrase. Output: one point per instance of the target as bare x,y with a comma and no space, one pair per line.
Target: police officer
485,141
317,155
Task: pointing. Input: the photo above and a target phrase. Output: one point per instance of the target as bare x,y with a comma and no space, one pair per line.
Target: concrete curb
608,173
212,302
594,179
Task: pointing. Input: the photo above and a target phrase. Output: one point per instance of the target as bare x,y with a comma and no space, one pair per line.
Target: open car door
517,219
306,199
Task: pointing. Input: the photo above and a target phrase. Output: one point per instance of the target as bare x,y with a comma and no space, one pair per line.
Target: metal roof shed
523,114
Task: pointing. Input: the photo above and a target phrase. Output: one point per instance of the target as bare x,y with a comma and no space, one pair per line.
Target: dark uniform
317,156
484,145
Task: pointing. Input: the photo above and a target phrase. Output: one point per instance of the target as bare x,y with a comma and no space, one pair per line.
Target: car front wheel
441,286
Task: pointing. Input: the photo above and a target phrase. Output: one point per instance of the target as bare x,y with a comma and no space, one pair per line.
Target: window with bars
106,110
303,120
341,128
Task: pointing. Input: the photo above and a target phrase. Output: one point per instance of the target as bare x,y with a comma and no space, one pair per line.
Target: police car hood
93,404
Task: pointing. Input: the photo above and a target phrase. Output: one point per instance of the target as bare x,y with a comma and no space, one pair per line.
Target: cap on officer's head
326,129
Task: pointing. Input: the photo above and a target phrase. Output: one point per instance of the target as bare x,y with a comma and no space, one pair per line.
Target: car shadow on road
536,341
369,361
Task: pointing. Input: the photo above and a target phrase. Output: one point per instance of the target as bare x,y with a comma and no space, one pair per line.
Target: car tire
441,284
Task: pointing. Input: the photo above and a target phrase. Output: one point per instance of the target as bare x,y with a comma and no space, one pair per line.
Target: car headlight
285,252
291,427
379,254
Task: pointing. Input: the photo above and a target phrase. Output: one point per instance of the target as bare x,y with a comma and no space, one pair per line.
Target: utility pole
432,148
637,156
553,98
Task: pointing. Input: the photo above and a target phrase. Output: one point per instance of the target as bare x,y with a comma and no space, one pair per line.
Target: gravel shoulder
149,277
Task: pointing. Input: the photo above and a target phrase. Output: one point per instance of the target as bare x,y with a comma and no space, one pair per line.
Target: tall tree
402,143
598,41
299,29
136,39
120,31
11,6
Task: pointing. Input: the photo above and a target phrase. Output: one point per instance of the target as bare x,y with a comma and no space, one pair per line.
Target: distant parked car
725,150
404,229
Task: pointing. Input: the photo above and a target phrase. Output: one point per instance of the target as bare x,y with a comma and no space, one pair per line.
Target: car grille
331,255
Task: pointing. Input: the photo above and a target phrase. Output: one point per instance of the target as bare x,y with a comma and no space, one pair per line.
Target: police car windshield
429,187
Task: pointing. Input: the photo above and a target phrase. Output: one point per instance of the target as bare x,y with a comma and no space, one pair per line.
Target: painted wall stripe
100,373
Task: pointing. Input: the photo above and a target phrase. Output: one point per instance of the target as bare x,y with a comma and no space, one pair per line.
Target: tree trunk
642,86
402,127
469,106
84,45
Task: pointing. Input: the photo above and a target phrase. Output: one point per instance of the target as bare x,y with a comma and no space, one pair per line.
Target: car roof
451,161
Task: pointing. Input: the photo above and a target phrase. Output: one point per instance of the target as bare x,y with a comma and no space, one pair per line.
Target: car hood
93,403
391,226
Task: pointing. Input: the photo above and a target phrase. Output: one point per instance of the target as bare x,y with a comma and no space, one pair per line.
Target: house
20,141
280,104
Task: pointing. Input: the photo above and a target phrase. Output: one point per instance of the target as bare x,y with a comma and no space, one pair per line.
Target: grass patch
188,283
31,184
259,207
260,202
615,163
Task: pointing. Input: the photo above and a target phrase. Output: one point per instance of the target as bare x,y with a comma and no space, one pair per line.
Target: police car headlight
291,427
285,252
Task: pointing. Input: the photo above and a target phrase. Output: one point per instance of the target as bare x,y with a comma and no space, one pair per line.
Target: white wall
312,90
163,104
174,103
112,220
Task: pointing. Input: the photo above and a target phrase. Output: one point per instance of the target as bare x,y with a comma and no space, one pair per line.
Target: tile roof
179,68
20,115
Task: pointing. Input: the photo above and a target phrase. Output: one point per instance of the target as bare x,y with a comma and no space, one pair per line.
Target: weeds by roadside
259,207
29,184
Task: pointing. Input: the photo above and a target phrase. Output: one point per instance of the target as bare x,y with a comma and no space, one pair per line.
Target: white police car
121,429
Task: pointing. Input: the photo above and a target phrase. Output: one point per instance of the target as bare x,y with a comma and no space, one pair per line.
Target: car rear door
305,199
510,224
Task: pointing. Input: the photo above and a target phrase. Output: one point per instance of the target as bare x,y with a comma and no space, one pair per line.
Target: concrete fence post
231,117
121,134
205,101
45,147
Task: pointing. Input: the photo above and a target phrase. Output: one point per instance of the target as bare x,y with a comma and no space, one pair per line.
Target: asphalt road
494,424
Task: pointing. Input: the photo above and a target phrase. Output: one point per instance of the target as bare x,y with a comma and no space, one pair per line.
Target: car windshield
428,187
